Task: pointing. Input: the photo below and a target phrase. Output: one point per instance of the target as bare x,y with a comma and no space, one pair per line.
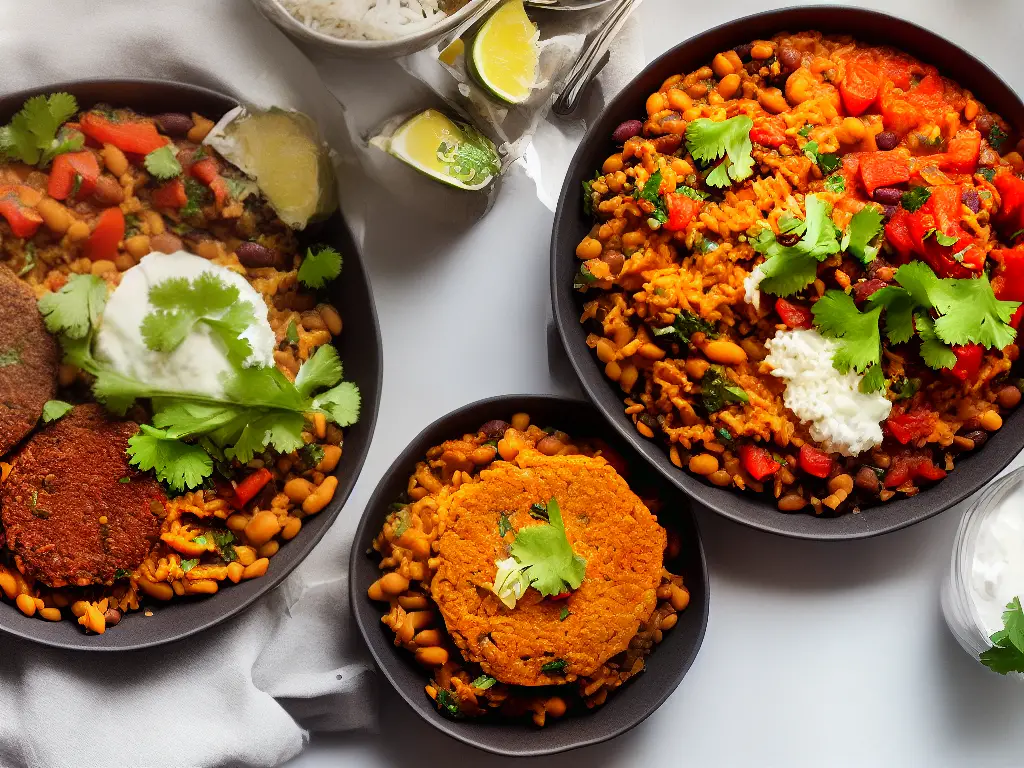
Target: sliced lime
504,55
283,152
453,153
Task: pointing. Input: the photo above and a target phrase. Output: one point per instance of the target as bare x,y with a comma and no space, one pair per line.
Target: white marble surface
816,654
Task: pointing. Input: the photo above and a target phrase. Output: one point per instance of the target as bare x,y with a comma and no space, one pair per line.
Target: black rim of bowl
360,349
626,707
972,472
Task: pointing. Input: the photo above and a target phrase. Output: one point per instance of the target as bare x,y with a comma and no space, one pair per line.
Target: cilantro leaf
811,150
829,162
788,269
685,325
341,404
553,667
997,137
692,193
970,313
935,354
55,409
708,140
32,132
180,465
241,189
196,196
859,339
547,557
873,380
1007,652
448,704
76,308
864,229
899,312
946,240
322,370
717,389
915,198
987,173
67,140
483,682
907,388
504,524
162,163
319,267
806,130
292,334
836,183
10,356
651,192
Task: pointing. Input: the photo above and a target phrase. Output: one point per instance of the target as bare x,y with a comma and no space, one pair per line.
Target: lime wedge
450,152
504,55
283,152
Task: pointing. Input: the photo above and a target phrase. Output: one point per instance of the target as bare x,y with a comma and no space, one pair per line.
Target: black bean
866,480
174,123
495,429
984,123
743,51
254,255
887,195
887,140
627,130
789,58
788,239
978,437
971,200
888,211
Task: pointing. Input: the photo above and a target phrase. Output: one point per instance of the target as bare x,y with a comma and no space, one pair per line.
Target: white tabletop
816,654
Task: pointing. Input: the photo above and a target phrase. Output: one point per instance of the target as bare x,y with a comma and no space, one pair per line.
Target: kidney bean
743,51
174,123
887,195
978,437
866,480
888,211
887,140
789,58
254,255
971,200
108,192
627,130
984,123
495,429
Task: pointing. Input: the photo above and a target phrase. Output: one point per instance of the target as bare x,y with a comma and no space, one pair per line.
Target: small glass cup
958,608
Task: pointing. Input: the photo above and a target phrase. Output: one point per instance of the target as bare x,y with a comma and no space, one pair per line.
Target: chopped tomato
962,154
139,137
941,214
758,462
897,69
910,426
681,210
897,232
16,201
769,135
814,461
864,290
560,596
66,167
1008,282
246,490
883,169
106,235
968,361
930,85
793,315
860,86
1010,217
898,114
909,467
170,195
206,171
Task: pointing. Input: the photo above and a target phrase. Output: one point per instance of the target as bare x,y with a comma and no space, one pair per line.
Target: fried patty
70,518
28,361
606,524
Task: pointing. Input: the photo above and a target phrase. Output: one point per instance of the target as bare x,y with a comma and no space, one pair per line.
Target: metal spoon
591,56
566,5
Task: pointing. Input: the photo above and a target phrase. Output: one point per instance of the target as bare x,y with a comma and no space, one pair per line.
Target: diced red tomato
941,214
1008,282
968,361
1010,217
814,461
897,232
16,201
860,87
137,136
930,85
908,466
769,135
897,69
108,232
910,426
681,210
757,461
62,175
962,154
793,315
246,490
560,596
207,171
898,114
864,290
170,195
883,169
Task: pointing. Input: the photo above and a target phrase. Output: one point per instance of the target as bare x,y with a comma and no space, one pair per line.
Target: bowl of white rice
370,28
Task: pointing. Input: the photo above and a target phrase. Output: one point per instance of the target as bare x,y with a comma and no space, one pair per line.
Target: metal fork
587,63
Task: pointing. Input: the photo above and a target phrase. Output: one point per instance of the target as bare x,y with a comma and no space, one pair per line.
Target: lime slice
451,54
450,152
283,152
504,55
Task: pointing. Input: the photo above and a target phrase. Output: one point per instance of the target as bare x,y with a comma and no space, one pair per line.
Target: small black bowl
359,347
626,707
571,225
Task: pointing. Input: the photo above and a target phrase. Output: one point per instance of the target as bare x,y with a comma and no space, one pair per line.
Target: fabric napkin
243,693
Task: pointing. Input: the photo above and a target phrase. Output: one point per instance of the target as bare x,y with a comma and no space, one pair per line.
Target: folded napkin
243,693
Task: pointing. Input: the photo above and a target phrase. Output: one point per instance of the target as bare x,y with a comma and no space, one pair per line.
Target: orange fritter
73,510
605,523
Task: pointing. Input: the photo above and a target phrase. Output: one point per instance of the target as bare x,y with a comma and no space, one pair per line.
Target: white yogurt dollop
199,363
997,562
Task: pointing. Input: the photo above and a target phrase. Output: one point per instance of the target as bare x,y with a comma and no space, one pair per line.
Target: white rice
841,417
751,290
366,19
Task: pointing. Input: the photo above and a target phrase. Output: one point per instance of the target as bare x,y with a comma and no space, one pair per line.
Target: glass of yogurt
987,567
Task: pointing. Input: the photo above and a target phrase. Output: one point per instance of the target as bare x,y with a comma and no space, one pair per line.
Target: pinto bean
108,192
165,242
174,123
789,58
866,480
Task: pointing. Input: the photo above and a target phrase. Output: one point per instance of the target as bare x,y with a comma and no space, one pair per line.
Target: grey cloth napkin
244,693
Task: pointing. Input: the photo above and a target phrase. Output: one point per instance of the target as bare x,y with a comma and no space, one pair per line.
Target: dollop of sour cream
997,562
197,365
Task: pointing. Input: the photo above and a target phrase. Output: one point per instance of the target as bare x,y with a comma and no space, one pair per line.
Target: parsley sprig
708,141
321,265
545,558
1007,652
34,135
790,268
162,163
859,342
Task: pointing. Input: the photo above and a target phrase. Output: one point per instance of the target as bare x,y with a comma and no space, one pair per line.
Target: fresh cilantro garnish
724,435
312,454
563,614
685,325
75,309
472,160
162,163
997,137
946,240
872,381
690,192
30,259
1007,652
10,356
124,480
836,183
546,557
483,682
32,135
986,173
179,464
241,189
55,409
862,234
935,354
188,565
707,141
706,246
504,524
829,162
856,333
196,195
788,269
403,520
811,150
806,130
651,192
583,278
915,197
182,304
225,543
554,667
906,388
320,266
292,334
121,573
970,313
132,225
717,389
447,704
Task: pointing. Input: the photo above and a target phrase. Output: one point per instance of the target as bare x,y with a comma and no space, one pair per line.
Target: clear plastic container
957,606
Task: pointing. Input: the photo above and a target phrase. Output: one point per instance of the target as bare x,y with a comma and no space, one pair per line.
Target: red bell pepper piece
898,114
968,361
108,232
883,169
1008,282
139,137
793,315
907,466
941,214
758,462
206,171
66,167
246,490
860,87
15,206
170,195
681,210
560,596
962,154
910,426
1010,217
814,461
897,232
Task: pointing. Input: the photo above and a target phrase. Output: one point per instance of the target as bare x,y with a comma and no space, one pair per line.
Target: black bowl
626,707
359,347
571,225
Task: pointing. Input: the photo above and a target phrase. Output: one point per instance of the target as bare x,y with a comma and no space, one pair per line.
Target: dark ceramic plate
359,347
571,226
626,707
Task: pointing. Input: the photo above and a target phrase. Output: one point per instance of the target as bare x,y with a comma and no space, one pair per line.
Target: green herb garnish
33,135
717,389
836,183
1007,652
790,268
319,267
685,325
862,236
554,667
483,682
162,163
563,614
915,197
55,409
708,141
546,557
